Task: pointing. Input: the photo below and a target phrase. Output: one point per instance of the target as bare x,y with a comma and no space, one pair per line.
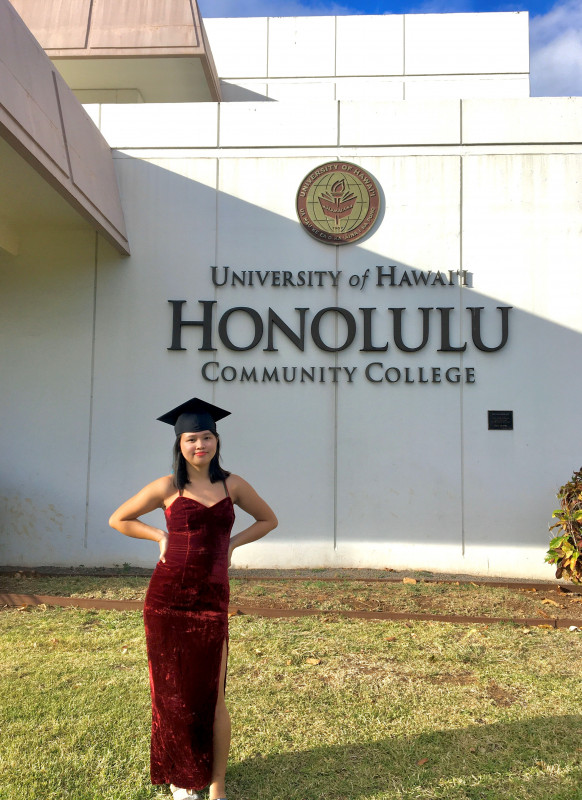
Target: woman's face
198,448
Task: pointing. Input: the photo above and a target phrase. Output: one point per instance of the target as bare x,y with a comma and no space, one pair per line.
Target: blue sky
555,28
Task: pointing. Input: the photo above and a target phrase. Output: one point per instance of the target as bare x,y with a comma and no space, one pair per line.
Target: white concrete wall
46,322
384,57
360,473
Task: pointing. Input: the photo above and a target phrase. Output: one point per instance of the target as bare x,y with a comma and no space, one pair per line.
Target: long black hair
180,468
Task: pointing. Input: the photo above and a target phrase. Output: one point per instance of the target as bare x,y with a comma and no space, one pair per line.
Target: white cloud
271,8
556,51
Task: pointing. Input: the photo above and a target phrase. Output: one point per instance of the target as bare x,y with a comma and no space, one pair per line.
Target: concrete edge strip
16,600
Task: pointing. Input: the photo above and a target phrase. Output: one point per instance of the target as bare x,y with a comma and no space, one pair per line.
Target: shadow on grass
539,759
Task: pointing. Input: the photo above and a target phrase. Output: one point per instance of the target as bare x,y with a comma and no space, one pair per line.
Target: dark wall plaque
500,420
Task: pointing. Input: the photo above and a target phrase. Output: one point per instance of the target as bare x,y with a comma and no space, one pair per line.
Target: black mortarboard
194,415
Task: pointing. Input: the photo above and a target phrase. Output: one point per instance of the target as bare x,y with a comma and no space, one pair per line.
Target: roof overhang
50,143
158,49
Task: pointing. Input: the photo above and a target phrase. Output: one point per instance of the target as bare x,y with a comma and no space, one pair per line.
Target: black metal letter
398,329
368,346
298,339
205,324
476,328
225,273
446,346
351,332
209,364
369,367
223,328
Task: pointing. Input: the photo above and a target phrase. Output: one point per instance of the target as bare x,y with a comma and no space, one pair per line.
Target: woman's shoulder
237,486
233,481
161,487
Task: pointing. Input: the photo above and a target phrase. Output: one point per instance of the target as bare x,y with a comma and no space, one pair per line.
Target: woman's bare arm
126,518
243,494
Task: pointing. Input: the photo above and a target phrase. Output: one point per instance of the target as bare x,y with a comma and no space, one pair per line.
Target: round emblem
338,202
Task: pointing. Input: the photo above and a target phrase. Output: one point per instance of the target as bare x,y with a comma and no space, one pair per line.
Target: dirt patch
458,679
422,597
500,696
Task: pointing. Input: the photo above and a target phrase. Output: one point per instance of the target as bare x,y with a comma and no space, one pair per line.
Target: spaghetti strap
225,488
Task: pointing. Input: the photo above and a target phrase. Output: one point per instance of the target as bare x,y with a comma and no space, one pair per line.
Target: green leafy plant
566,548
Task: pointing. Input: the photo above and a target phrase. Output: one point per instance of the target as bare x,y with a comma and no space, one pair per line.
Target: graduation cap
194,415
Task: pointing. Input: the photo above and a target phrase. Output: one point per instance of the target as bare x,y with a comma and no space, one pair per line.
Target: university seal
338,202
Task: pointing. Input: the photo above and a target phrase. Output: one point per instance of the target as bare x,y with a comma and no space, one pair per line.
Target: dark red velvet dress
186,624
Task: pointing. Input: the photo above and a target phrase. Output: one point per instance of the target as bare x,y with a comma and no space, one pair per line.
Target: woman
186,604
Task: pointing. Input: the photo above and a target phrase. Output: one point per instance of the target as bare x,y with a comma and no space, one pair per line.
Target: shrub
566,548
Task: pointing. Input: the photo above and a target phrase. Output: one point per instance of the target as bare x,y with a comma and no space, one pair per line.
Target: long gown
186,625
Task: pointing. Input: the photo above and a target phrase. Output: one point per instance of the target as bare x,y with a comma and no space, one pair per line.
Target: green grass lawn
392,710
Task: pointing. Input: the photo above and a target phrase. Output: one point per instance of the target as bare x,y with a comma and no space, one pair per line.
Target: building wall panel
522,243
239,46
410,123
521,120
46,323
466,43
160,125
370,45
278,125
301,46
